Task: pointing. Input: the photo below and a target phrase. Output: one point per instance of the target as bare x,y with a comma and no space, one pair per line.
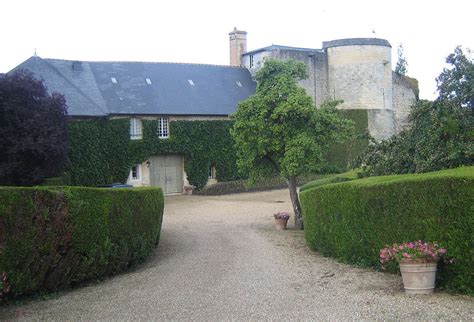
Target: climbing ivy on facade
102,152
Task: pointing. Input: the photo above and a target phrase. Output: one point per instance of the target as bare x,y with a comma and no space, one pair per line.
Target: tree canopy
440,134
456,83
402,65
33,130
279,130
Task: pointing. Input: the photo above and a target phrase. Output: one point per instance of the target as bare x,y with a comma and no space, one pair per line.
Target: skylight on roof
114,80
190,81
148,81
238,83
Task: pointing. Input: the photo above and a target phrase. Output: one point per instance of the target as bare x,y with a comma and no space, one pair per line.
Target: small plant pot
280,224
188,190
418,276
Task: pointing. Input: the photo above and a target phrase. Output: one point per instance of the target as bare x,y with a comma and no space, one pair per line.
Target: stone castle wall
357,71
403,98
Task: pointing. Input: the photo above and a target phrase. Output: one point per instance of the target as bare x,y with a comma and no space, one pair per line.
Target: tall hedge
102,152
52,238
352,221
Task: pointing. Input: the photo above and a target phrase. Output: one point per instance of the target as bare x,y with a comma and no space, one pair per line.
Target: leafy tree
441,133
33,130
279,130
456,84
402,65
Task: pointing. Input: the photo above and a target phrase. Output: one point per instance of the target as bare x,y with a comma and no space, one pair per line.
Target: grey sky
197,31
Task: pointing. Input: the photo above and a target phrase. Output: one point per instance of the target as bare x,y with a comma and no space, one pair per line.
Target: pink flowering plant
417,250
281,215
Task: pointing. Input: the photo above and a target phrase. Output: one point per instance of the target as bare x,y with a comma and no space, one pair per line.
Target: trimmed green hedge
55,237
341,177
352,221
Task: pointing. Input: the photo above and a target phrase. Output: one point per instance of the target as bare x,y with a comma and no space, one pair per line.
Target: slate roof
175,89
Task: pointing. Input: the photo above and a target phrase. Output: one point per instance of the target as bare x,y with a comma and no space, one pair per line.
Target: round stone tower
360,73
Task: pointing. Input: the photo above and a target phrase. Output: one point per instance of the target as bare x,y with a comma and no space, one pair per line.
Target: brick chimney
238,46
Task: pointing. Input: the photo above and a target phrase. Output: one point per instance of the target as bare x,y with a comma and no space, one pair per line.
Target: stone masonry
356,70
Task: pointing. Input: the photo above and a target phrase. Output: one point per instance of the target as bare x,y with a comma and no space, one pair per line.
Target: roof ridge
142,62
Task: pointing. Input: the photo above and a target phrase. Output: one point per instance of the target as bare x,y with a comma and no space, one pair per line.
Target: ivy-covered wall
102,152
340,155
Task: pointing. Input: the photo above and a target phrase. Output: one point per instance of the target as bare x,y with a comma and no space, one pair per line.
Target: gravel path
220,258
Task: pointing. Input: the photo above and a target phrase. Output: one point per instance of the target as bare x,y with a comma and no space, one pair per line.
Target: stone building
356,70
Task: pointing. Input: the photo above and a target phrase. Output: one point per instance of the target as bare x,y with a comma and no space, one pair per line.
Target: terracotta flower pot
418,276
281,223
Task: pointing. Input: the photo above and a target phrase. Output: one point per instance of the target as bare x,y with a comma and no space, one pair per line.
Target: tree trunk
292,186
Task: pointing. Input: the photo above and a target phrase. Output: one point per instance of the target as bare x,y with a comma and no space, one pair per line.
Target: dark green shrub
52,238
352,221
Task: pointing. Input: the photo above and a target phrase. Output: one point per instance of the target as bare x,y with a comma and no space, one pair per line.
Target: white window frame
163,127
136,129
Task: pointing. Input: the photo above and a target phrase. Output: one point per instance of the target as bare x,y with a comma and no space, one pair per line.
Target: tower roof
356,42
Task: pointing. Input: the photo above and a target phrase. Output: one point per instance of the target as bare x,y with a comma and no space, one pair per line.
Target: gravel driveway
220,258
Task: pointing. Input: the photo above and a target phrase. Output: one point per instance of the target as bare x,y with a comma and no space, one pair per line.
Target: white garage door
166,171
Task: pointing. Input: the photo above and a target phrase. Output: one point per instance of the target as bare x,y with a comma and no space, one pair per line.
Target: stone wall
361,76
357,71
403,99
316,60
254,61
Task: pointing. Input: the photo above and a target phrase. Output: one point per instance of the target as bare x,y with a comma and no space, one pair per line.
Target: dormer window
135,129
163,128
251,61
113,80
190,81
76,66
148,81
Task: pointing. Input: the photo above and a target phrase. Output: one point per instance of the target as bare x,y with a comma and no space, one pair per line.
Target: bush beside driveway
220,258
